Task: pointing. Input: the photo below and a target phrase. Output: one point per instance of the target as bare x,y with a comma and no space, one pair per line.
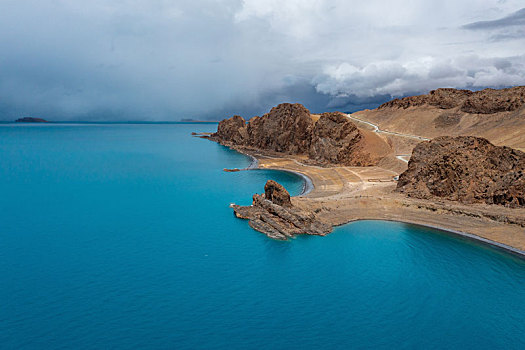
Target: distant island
189,120
451,159
31,120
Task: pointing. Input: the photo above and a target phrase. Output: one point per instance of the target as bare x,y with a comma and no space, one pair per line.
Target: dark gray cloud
173,59
515,19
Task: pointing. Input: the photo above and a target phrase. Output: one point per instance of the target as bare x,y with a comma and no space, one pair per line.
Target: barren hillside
497,115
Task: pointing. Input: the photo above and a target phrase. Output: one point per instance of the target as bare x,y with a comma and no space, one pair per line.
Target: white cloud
420,75
163,59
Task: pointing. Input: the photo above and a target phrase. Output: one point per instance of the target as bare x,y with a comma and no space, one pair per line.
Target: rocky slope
466,169
497,115
273,214
486,101
290,129
336,140
286,128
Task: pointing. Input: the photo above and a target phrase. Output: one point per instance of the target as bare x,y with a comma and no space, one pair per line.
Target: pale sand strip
345,194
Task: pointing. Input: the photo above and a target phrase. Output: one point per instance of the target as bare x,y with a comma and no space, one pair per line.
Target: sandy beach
345,194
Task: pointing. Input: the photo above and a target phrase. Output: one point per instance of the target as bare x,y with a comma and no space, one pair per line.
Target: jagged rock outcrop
276,193
290,129
336,140
272,213
486,101
285,129
444,98
490,101
233,129
467,169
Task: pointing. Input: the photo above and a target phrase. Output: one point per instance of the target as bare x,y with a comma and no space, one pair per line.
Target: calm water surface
120,237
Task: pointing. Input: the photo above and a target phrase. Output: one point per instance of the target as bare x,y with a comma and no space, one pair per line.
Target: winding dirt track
393,133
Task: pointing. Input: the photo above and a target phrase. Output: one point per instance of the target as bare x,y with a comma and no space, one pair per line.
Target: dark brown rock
490,101
233,130
286,128
486,101
279,221
441,98
335,139
276,193
290,129
467,169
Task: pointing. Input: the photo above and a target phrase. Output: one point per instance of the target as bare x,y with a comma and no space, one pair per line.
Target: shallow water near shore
121,236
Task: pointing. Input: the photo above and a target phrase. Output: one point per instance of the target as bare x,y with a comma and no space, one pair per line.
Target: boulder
276,193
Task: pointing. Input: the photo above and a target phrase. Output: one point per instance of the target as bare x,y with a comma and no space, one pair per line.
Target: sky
163,60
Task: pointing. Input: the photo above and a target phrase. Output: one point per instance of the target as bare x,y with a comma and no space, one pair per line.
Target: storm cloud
167,60
515,19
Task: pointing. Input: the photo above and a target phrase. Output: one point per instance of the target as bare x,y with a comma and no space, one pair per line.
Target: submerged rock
467,169
273,214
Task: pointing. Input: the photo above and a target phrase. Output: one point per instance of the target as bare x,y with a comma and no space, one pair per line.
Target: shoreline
308,185
455,233
313,197
339,195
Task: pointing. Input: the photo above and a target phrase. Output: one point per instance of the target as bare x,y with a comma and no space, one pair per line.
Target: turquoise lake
120,236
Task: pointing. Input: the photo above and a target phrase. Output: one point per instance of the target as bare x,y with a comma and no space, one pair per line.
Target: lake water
119,236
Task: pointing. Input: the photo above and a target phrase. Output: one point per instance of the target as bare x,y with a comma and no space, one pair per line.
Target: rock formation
285,129
290,129
486,101
336,140
276,193
491,101
467,169
233,129
273,214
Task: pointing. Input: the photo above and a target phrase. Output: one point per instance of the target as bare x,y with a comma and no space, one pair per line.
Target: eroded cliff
467,169
290,129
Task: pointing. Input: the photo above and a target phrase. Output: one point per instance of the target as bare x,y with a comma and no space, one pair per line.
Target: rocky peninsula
273,214
464,184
